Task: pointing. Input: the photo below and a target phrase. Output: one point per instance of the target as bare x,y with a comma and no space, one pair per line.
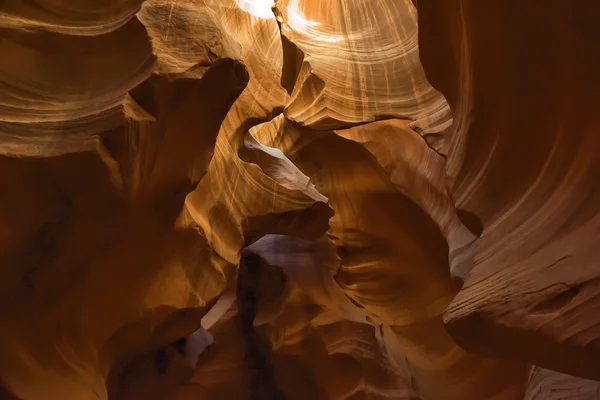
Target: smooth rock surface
299,199
524,165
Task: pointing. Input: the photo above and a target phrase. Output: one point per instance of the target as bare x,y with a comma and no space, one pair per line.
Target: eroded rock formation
524,163
301,199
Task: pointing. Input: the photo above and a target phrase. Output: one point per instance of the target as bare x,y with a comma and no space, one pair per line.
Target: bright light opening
257,8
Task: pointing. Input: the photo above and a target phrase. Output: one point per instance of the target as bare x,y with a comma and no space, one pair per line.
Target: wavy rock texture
91,17
238,197
300,199
524,164
394,259
361,63
95,220
278,343
549,385
126,194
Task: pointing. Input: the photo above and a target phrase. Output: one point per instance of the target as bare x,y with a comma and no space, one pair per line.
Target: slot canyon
299,200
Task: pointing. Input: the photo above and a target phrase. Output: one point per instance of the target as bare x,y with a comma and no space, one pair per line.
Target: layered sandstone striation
524,166
550,385
300,199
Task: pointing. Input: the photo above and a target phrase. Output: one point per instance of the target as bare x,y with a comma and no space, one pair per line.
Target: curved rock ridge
393,257
97,248
305,351
187,37
244,201
524,164
118,219
549,385
88,17
418,172
312,266
69,77
299,199
361,63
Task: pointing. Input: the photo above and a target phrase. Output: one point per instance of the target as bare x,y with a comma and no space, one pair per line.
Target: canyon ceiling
306,199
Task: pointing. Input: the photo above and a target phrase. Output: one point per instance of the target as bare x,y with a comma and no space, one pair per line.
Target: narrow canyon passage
299,199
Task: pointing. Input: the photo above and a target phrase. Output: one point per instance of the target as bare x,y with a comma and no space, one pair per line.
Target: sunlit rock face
299,199
361,63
